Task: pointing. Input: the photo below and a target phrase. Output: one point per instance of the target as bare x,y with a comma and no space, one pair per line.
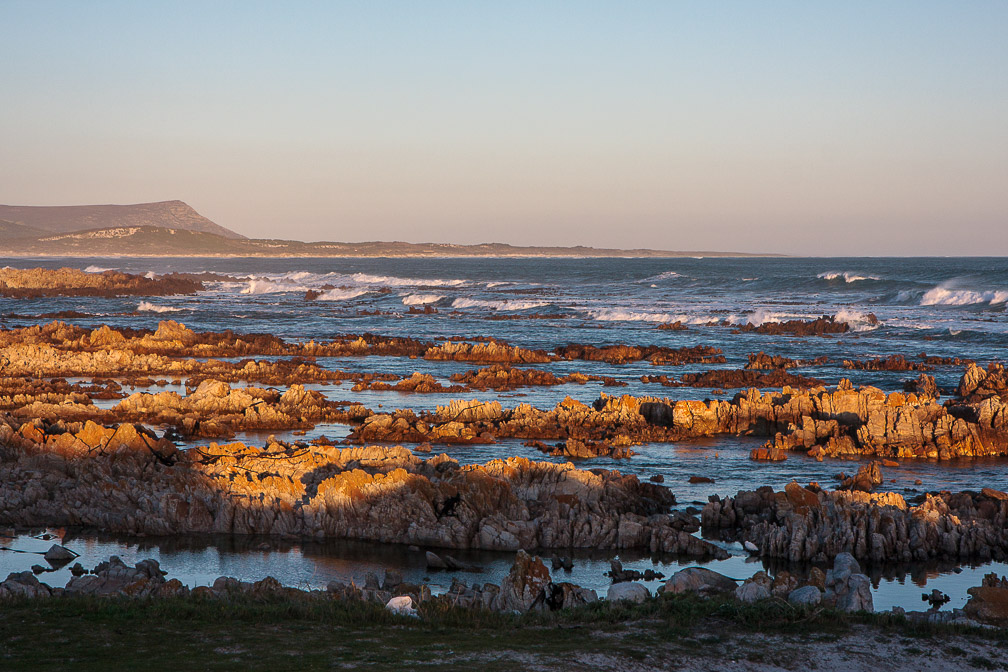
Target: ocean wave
148,307
421,299
97,269
847,276
948,295
498,305
341,294
857,320
393,281
267,286
622,315
760,316
666,275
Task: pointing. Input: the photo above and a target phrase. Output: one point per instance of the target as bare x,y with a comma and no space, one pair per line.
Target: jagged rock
527,584
865,480
923,386
988,602
800,525
627,592
116,578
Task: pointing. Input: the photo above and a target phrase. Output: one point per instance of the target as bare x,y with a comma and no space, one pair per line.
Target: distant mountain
139,241
69,218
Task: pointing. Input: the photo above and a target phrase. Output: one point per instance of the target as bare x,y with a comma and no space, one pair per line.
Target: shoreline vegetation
680,632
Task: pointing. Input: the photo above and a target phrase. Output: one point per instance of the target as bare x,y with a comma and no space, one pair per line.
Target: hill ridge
58,219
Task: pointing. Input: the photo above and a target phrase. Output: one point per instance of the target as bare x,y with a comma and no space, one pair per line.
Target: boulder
628,592
699,580
434,561
805,596
856,595
23,584
57,555
752,592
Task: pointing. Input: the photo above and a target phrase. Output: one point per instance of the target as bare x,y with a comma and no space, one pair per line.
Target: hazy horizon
787,128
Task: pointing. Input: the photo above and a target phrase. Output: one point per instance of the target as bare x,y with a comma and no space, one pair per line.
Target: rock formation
126,480
805,524
39,282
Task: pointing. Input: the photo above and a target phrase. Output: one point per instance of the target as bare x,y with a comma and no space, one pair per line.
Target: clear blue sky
804,127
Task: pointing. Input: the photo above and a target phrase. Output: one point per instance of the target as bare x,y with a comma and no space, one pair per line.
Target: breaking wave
847,276
393,281
341,294
97,269
857,320
148,307
620,315
421,299
498,305
267,286
947,295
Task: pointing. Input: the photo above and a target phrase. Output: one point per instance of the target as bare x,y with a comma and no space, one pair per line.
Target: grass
280,634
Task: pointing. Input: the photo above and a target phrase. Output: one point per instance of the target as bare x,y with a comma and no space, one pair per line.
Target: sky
847,128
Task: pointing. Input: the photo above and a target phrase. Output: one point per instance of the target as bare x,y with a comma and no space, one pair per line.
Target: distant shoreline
83,255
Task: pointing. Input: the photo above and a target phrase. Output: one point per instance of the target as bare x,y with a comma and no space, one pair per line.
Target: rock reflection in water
199,559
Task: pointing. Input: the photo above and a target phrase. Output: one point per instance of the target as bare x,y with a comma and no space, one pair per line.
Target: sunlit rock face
125,479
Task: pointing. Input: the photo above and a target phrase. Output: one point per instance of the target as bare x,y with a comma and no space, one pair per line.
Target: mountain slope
68,218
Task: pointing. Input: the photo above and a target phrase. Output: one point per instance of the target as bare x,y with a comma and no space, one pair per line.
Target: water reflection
199,559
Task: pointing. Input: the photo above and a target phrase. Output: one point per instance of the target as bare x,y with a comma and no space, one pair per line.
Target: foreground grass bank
672,632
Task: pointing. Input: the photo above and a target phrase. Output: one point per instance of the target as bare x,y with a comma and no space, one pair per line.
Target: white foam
857,320
267,286
947,295
421,299
393,281
341,294
622,315
666,275
848,276
97,269
150,275
147,307
498,305
758,317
